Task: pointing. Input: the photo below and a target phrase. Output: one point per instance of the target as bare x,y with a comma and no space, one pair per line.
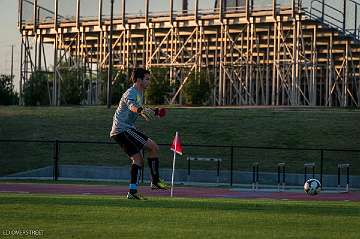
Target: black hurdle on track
306,166
255,179
341,166
217,160
281,167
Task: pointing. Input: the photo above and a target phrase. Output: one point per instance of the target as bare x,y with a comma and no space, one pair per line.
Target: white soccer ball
312,186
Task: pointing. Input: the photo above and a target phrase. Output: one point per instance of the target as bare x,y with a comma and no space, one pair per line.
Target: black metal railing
228,151
334,17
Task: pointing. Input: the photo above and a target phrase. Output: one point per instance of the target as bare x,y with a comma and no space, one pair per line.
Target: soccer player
130,139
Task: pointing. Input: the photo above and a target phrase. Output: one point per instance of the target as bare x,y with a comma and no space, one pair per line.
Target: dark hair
138,73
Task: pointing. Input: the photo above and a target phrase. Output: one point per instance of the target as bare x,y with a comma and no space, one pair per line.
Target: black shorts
131,141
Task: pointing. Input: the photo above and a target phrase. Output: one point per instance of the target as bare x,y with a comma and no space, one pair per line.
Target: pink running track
185,192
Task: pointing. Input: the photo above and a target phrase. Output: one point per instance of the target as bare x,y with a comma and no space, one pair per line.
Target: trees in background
7,94
197,89
39,87
73,84
35,90
120,84
155,94
159,87
75,87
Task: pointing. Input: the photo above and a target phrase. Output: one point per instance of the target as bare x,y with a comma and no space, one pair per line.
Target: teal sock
132,188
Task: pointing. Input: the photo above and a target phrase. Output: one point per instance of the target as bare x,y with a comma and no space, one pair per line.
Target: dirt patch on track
190,192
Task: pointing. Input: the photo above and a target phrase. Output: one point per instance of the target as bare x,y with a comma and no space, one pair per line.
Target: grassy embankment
270,127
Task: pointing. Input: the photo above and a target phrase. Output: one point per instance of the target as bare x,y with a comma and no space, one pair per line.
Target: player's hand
160,112
146,113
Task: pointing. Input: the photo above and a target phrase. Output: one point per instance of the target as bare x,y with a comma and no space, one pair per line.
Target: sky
9,35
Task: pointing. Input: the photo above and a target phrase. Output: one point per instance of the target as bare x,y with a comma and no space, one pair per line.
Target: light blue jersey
124,118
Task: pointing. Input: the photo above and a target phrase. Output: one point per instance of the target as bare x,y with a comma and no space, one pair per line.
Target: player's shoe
135,196
161,185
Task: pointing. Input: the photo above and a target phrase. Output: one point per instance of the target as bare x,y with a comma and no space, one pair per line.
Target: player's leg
137,164
153,160
132,146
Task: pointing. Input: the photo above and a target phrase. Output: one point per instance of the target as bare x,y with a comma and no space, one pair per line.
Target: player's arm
149,113
134,108
144,112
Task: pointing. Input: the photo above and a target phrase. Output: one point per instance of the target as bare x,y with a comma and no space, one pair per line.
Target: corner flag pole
172,176
177,148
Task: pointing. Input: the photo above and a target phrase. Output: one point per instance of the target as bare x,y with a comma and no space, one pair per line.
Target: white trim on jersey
136,136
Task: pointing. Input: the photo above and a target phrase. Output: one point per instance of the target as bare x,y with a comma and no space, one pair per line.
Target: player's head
140,74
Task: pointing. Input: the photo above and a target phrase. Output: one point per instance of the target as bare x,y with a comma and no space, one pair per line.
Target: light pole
109,80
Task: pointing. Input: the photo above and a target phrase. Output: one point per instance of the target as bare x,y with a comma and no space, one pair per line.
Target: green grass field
270,127
116,217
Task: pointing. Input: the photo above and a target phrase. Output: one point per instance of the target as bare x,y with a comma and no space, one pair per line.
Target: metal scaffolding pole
110,68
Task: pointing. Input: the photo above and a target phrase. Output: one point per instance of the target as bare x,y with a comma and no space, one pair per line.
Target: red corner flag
176,144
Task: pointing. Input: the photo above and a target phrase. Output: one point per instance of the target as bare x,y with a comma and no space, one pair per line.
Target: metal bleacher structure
254,52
